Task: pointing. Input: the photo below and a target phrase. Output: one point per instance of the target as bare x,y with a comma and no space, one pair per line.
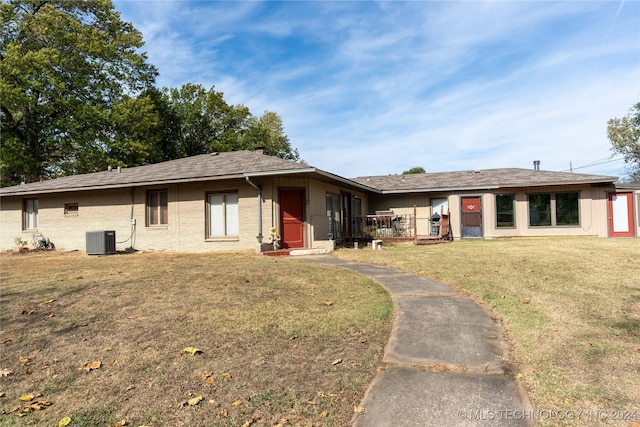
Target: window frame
209,233
553,209
334,213
157,209
30,208
71,209
513,211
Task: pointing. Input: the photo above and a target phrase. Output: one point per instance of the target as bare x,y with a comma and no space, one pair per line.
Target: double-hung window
157,208
30,214
223,215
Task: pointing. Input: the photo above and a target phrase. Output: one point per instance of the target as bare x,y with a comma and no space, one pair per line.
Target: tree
70,71
624,135
267,131
202,122
417,169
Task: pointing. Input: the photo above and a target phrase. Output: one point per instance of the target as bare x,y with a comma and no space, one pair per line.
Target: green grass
269,330
577,338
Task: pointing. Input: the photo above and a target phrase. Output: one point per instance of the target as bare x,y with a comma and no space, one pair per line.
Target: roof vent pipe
536,165
119,169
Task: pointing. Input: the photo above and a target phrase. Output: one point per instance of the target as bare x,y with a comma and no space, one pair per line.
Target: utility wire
596,163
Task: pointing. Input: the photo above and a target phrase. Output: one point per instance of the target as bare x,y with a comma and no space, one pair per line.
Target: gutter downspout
259,236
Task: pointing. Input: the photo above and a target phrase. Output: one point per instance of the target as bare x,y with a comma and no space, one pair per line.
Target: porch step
294,252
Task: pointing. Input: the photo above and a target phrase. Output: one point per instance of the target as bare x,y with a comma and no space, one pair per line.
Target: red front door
621,215
292,218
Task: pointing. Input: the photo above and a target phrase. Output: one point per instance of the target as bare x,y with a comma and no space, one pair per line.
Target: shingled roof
478,180
204,167
241,164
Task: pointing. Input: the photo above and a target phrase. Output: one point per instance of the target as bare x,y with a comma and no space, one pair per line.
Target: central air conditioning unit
101,242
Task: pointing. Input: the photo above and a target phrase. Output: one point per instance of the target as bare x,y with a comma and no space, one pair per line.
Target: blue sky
375,88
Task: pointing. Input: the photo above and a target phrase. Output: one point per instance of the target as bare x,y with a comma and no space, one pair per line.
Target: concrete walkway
444,361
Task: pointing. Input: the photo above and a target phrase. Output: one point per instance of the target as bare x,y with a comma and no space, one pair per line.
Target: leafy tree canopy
199,121
77,95
416,169
70,71
624,135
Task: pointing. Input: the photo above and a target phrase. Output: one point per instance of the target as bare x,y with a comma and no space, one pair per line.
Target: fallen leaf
210,380
108,349
24,411
323,394
328,303
5,372
525,301
195,400
336,362
253,419
120,423
502,297
362,341
49,315
358,409
236,403
93,365
2,394
223,413
14,409
38,406
47,301
192,350
311,402
6,340
64,422
519,375
27,397
226,375
30,311
324,414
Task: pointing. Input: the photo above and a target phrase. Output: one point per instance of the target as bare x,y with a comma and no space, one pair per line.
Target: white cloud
381,87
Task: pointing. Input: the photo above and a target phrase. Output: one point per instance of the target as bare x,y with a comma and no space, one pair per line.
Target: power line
596,163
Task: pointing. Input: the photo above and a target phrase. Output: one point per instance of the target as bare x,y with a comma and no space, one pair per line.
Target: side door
621,215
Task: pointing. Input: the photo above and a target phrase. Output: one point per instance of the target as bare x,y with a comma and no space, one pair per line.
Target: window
539,210
551,210
223,215
71,209
157,212
505,210
333,213
567,209
30,214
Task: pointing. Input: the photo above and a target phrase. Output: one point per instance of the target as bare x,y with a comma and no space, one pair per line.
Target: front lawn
570,309
103,339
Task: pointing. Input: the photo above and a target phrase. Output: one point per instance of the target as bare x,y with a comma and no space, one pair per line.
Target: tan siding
592,209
